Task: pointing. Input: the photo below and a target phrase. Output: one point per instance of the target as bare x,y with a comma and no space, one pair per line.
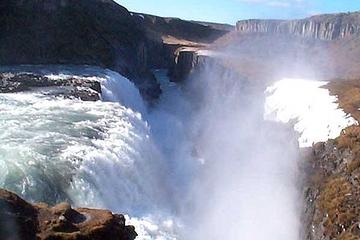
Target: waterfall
94,154
202,164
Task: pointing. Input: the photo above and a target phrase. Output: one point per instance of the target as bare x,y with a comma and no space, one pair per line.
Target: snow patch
315,113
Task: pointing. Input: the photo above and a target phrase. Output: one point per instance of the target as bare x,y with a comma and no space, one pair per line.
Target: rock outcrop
92,32
187,60
80,88
172,42
325,27
24,221
184,62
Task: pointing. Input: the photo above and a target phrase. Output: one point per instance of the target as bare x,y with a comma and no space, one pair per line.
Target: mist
247,187
234,175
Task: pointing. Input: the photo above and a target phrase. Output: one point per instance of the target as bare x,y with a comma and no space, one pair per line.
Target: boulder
24,221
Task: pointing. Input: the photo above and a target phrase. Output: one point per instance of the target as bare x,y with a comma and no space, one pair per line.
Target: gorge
181,129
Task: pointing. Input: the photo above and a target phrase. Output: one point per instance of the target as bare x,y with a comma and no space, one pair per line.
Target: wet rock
18,219
21,220
80,88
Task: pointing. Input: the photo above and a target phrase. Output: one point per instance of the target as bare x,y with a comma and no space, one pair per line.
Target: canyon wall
91,32
325,27
165,37
96,32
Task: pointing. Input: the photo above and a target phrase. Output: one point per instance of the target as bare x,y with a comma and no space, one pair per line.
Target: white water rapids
97,154
200,166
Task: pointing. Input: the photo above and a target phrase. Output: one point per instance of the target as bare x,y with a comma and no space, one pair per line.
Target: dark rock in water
92,32
81,88
23,221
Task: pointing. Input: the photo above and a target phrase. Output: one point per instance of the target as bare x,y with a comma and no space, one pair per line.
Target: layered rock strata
325,27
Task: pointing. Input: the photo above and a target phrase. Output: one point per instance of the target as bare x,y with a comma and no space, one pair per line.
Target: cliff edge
325,27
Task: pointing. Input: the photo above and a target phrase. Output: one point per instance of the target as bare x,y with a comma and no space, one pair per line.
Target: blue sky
229,11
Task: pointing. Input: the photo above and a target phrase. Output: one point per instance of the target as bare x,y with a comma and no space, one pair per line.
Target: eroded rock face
185,61
21,220
325,27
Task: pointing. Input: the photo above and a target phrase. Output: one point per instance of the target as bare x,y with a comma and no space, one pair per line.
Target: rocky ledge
22,220
80,88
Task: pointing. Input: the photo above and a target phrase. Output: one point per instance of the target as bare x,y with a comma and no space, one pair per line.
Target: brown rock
21,220
18,219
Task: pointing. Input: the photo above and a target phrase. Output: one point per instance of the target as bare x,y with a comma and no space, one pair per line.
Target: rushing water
97,154
199,166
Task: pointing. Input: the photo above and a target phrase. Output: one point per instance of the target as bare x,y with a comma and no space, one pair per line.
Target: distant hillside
219,26
167,36
182,29
325,27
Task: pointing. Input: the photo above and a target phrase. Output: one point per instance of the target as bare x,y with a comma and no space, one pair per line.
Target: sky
229,11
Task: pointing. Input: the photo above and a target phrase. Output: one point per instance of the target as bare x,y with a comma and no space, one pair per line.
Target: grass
336,177
348,93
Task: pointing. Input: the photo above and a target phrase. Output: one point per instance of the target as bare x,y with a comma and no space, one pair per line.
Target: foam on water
313,110
220,165
95,154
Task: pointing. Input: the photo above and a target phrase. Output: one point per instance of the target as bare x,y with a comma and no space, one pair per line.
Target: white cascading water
96,154
204,165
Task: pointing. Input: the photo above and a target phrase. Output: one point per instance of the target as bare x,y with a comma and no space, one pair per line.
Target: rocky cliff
325,27
332,188
96,32
173,43
22,220
184,62
93,32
